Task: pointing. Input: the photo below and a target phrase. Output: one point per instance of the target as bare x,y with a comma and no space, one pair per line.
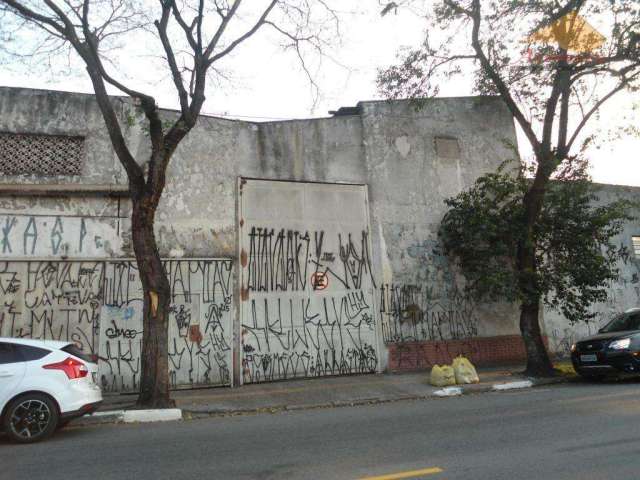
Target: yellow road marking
408,474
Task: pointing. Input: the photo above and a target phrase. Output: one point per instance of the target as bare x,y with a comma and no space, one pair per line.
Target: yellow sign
572,33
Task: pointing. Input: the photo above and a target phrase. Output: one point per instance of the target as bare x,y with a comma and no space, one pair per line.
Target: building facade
294,249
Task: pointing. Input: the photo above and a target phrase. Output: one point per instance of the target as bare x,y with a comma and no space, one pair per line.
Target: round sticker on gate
319,281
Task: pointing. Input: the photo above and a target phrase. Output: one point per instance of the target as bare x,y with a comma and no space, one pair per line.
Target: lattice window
40,154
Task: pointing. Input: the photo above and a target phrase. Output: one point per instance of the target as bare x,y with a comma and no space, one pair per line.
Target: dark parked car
615,349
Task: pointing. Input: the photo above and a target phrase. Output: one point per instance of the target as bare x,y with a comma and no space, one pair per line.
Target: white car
43,385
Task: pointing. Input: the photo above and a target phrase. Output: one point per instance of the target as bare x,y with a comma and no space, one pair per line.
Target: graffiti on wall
199,323
410,313
283,260
98,306
52,301
309,307
46,236
304,337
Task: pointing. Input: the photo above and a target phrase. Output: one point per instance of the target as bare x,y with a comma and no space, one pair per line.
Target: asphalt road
574,431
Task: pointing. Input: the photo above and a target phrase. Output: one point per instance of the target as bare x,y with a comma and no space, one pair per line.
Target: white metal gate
307,288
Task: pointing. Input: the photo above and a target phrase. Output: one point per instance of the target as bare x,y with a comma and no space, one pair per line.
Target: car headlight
573,348
620,344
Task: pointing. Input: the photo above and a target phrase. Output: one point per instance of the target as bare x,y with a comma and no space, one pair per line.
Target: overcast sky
267,84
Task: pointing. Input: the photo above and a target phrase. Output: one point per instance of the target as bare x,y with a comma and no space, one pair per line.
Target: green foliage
575,255
481,230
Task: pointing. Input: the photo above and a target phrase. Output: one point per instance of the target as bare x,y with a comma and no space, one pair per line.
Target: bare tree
554,71
194,36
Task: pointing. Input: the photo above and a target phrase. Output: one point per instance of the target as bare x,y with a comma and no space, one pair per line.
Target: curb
129,416
512,385
172,414
498,387
158,415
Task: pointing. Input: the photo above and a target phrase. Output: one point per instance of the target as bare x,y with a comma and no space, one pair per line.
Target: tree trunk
154,377
538,362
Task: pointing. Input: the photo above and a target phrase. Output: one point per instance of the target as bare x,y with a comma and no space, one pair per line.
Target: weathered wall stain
621,295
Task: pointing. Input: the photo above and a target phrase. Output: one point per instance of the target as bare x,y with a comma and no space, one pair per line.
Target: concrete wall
67,226
624,293
390,149
60,113
65,271
420,291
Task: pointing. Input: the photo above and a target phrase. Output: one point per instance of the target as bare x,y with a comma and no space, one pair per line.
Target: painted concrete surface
60,113
420,292
513,385
66,227
408,161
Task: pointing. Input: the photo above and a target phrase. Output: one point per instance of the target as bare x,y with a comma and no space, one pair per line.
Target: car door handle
5,374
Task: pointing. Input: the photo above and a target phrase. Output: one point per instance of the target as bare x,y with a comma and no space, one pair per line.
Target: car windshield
622,322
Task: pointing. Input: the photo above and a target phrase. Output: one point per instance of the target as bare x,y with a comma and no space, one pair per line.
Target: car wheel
30,418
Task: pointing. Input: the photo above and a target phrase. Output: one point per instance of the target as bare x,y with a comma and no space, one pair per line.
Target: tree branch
261,21
597,106
495,77
176,75
29,14
226,18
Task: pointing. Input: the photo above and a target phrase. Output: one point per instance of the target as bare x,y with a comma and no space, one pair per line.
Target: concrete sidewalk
321,392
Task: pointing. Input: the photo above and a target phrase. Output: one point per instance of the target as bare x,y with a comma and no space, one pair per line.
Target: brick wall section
482,351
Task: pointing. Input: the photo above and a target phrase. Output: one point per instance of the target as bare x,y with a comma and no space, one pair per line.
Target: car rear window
30,353
76,352
8,354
